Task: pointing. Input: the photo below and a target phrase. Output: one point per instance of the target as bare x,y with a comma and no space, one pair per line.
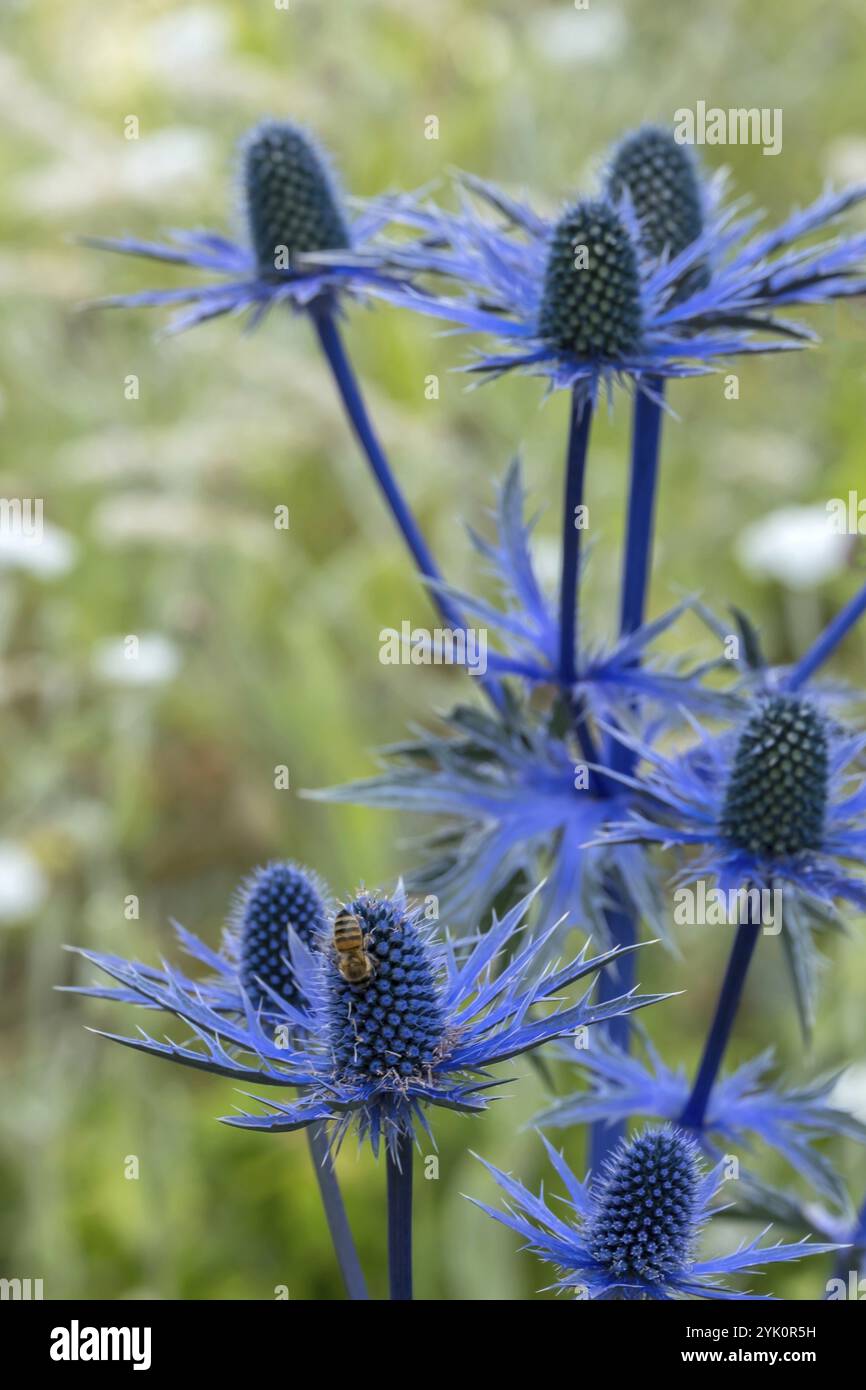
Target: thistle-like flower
290,195
274,903
417,1026
277,904
635,1229
658,278
779,802
662,179
292,206
775,806
598,313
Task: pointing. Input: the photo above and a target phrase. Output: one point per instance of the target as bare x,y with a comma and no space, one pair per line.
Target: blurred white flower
141,659
779,459
176,159
567,35
795,546
846,160
849,1093
23,885
547,562
168,158
194,35
164,519
49,554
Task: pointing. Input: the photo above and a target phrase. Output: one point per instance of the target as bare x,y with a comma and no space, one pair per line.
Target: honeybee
353,963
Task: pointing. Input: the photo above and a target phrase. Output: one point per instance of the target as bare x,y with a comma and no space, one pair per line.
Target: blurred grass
166,791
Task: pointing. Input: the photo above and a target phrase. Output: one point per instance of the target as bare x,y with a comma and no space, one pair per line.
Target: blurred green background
260,647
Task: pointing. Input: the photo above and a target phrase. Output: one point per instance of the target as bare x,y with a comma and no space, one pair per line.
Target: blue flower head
636,1227
290,195
392,1021
776,796
685,281
662,180
779,802
419,1024
643,1222
774,805
590,300
275,902
292,209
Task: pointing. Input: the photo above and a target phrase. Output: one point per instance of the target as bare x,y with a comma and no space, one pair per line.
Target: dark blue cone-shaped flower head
661,178
299,244
591,301
777,803
275,901
776,799
392,1021
681,282
646,1205
633,1234
291,196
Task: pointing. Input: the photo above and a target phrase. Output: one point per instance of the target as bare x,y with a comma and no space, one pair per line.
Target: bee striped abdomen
353,963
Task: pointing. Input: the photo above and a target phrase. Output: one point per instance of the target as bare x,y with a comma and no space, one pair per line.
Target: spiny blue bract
274,899
661,178
291,197
776,798
646,1205
392,1022
591,300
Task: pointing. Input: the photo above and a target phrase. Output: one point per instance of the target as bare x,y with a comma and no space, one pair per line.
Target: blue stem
646,435
335,1213
637,566
331,341
580,421
399,1171
637,563
829,640
739,961
575,472
616,980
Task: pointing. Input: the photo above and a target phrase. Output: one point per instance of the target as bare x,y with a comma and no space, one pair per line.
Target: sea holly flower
292,206
777,804
670,200
776,801
632,1233
778,808
275,902
252,967
743,1107
578,305
665,278
252,971
429,1020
